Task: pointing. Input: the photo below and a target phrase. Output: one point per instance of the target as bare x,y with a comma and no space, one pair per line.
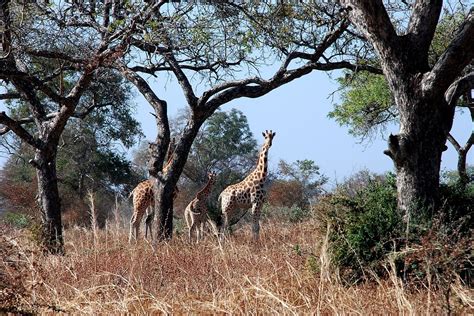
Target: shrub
17,220
366,228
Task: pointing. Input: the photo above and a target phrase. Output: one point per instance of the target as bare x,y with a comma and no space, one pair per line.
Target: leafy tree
298,183
87,157
225,45
49,60
425,90
368,105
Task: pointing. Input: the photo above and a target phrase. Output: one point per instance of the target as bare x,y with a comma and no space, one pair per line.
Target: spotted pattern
196,211
250,192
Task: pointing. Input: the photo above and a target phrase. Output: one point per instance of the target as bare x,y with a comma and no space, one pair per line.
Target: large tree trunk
417,150
49,202
164,202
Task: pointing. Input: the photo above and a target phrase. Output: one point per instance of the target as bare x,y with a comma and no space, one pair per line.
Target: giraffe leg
256,221
193,231
149,222
132,225
202,229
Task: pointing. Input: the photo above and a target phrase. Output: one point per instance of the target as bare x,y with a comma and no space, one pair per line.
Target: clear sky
297,112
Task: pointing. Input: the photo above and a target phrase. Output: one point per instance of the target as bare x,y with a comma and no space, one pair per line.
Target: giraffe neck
262,164
205,191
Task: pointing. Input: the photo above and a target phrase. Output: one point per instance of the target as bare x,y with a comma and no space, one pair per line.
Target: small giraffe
249,192
144,201
196,211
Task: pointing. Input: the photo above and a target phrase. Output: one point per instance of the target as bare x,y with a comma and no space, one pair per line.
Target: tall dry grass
288,272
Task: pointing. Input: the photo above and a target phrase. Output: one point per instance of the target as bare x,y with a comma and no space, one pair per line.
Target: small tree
298,183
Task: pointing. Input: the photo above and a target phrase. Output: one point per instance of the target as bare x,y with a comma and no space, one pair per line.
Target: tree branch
9,96
16,127
458,88
182,79
160,107
422,24
454,142
373,21
457,56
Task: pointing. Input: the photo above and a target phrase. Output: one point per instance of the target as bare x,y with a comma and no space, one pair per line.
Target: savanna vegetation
376,243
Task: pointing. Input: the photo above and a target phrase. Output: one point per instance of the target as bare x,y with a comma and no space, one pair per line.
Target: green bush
17,220
367,228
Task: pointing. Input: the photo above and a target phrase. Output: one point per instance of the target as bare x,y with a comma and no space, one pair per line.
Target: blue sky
297,112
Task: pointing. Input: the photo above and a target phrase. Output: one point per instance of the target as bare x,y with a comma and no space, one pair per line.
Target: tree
42,44
298,183
425,95
215,41
368,105
87,159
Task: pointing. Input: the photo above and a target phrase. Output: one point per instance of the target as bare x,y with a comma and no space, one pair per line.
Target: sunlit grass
288,272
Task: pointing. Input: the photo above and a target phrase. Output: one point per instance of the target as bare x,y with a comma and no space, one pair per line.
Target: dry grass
287,273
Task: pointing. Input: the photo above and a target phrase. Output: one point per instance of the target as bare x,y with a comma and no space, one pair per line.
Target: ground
288,272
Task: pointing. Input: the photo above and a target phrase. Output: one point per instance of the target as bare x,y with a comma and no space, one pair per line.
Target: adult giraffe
249,192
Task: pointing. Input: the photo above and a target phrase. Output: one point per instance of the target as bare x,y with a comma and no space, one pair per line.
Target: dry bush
288,272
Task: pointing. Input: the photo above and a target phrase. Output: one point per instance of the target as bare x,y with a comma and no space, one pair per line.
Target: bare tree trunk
417,150
164,198
49,202
165,187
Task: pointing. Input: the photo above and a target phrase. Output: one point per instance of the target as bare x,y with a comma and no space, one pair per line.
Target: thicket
369,236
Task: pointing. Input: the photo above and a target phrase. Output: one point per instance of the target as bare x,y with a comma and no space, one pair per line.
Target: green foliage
367,229
367,103
305,175
16,220
365,226
312,264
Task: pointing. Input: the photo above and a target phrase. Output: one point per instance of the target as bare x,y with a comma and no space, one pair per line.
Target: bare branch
182,79
458,88
9,96
454,142
15,126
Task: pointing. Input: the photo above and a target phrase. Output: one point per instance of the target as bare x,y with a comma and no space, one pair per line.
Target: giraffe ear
274,133
263,134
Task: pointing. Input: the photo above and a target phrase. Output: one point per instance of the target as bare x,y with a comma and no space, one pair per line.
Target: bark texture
426,116
49,202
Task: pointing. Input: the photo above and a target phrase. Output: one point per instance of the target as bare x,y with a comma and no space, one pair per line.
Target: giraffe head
268,137
212,177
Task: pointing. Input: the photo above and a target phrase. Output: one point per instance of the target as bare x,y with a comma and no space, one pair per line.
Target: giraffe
196,211
249,192
144,201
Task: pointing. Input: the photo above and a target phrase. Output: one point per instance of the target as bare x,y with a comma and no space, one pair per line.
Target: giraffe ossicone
250,192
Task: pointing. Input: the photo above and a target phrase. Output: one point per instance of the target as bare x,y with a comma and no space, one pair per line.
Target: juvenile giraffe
144,201
196,211
249,192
